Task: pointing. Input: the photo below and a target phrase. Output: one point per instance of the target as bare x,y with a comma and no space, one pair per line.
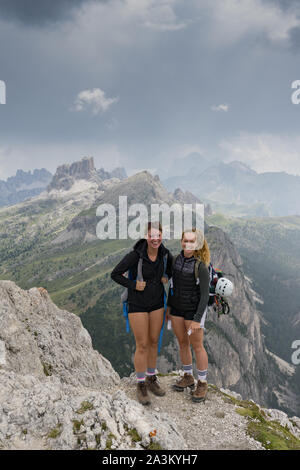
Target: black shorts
133,308
189,315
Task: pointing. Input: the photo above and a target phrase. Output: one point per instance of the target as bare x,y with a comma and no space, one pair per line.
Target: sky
137,83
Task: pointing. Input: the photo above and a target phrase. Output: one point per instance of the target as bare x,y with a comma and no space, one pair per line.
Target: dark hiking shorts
133,308
189,315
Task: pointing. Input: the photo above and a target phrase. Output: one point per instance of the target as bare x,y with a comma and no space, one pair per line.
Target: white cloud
155,14
94,99
220,107
264,152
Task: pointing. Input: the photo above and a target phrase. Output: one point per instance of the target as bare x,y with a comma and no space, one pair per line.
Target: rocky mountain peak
67,174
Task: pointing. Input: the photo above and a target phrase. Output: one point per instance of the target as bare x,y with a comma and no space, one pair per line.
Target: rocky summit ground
213,424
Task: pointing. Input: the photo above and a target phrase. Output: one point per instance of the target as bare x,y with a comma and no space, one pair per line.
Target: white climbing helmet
224,287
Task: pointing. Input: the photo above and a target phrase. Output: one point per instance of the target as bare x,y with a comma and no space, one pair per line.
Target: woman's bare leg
139,323
196,340
179,328
155,323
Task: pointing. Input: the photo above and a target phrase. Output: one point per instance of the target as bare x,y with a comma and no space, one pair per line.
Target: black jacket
187,295
152,274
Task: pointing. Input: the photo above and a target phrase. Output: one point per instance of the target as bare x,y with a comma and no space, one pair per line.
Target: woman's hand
193,326
164,280
140,285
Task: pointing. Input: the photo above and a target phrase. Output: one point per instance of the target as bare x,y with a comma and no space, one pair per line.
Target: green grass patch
77,425
270,434
85,406
54,433
135,437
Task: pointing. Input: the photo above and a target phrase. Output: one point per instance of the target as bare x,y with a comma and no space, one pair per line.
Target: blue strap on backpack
165,307
125,307
124,296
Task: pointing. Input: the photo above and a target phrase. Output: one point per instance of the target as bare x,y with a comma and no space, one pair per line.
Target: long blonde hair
202,253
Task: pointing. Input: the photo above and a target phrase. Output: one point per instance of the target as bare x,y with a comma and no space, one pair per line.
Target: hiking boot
200,393
186,381
142,393
153,385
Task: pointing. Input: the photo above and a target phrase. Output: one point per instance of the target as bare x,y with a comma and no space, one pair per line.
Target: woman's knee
198,348
142,347
153,342
184,344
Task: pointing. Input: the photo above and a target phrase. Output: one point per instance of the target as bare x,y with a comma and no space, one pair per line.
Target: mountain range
234,188
25,185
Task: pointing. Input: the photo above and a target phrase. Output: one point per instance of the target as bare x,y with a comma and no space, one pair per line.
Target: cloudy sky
138,82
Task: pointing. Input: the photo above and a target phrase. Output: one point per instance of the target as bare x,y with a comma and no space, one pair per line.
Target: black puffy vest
186,293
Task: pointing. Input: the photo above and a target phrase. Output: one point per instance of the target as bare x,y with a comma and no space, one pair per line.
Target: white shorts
203,318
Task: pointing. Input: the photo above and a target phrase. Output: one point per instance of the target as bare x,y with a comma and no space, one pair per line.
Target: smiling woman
2,92
148,264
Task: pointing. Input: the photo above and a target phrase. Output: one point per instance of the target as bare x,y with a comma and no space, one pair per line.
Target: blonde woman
187,308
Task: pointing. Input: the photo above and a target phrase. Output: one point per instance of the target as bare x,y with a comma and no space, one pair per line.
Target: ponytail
203,254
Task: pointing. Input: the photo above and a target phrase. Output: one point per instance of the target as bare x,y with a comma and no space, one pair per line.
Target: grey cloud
284,4
39,12
294,37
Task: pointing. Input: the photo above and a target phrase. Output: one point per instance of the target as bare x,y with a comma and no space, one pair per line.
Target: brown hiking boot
142,393
186,381
153,385
200,393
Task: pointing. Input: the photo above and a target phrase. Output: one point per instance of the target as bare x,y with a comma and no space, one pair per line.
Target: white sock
188,369
202,375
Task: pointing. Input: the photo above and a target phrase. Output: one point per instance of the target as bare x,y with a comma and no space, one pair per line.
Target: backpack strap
196,270
139,276
165,259
124,296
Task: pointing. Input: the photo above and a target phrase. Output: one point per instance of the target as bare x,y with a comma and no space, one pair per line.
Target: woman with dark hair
187,308
146,304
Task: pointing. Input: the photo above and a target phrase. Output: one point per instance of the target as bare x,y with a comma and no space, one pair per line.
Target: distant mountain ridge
23,185
235,183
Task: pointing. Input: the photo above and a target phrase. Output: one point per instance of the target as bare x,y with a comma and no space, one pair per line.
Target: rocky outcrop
186,197
66,175
56,392
118,172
